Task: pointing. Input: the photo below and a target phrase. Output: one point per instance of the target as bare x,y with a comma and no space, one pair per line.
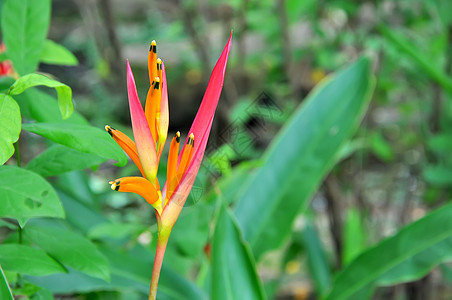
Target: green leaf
5,291
380,147
64,92
354,236
24,29
60,159
70,249
317,262
9,126
82,138
42,295
42,107
55,54
406,256
301,155
422,60
27,195
131,269
116,230
27,260
234,273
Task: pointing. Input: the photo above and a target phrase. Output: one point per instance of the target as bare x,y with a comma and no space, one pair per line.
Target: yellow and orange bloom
150,131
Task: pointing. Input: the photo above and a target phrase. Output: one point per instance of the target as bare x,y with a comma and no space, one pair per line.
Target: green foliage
5,291
24,29
28,260
9,126
409,254
83,138
55,54
70,249
233,269
64,92
354,236
297,161
27,195
317,261
59,159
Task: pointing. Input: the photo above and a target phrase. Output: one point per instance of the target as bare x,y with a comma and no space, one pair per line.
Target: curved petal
142,134
137,185
127,145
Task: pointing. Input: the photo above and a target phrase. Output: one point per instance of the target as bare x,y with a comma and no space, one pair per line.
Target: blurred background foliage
393,172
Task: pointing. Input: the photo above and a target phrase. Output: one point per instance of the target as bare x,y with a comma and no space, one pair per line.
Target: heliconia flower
150,130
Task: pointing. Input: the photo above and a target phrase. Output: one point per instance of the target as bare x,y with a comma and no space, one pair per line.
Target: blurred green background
395,170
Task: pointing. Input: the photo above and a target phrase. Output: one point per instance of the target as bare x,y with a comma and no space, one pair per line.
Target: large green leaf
82,138
70,249
301,155
55,54
60,159
27,260
9,126
26,195
406,256
31,80
24,29
5,291
233,269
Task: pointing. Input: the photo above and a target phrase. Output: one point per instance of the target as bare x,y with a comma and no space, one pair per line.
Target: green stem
19,231
162,241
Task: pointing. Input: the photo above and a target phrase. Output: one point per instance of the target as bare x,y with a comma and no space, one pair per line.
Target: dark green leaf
27,260
301,155
406,256
27,195
24,29
234,273
5,291
70,249
64,92
55,54
60,159
9,126
82,138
